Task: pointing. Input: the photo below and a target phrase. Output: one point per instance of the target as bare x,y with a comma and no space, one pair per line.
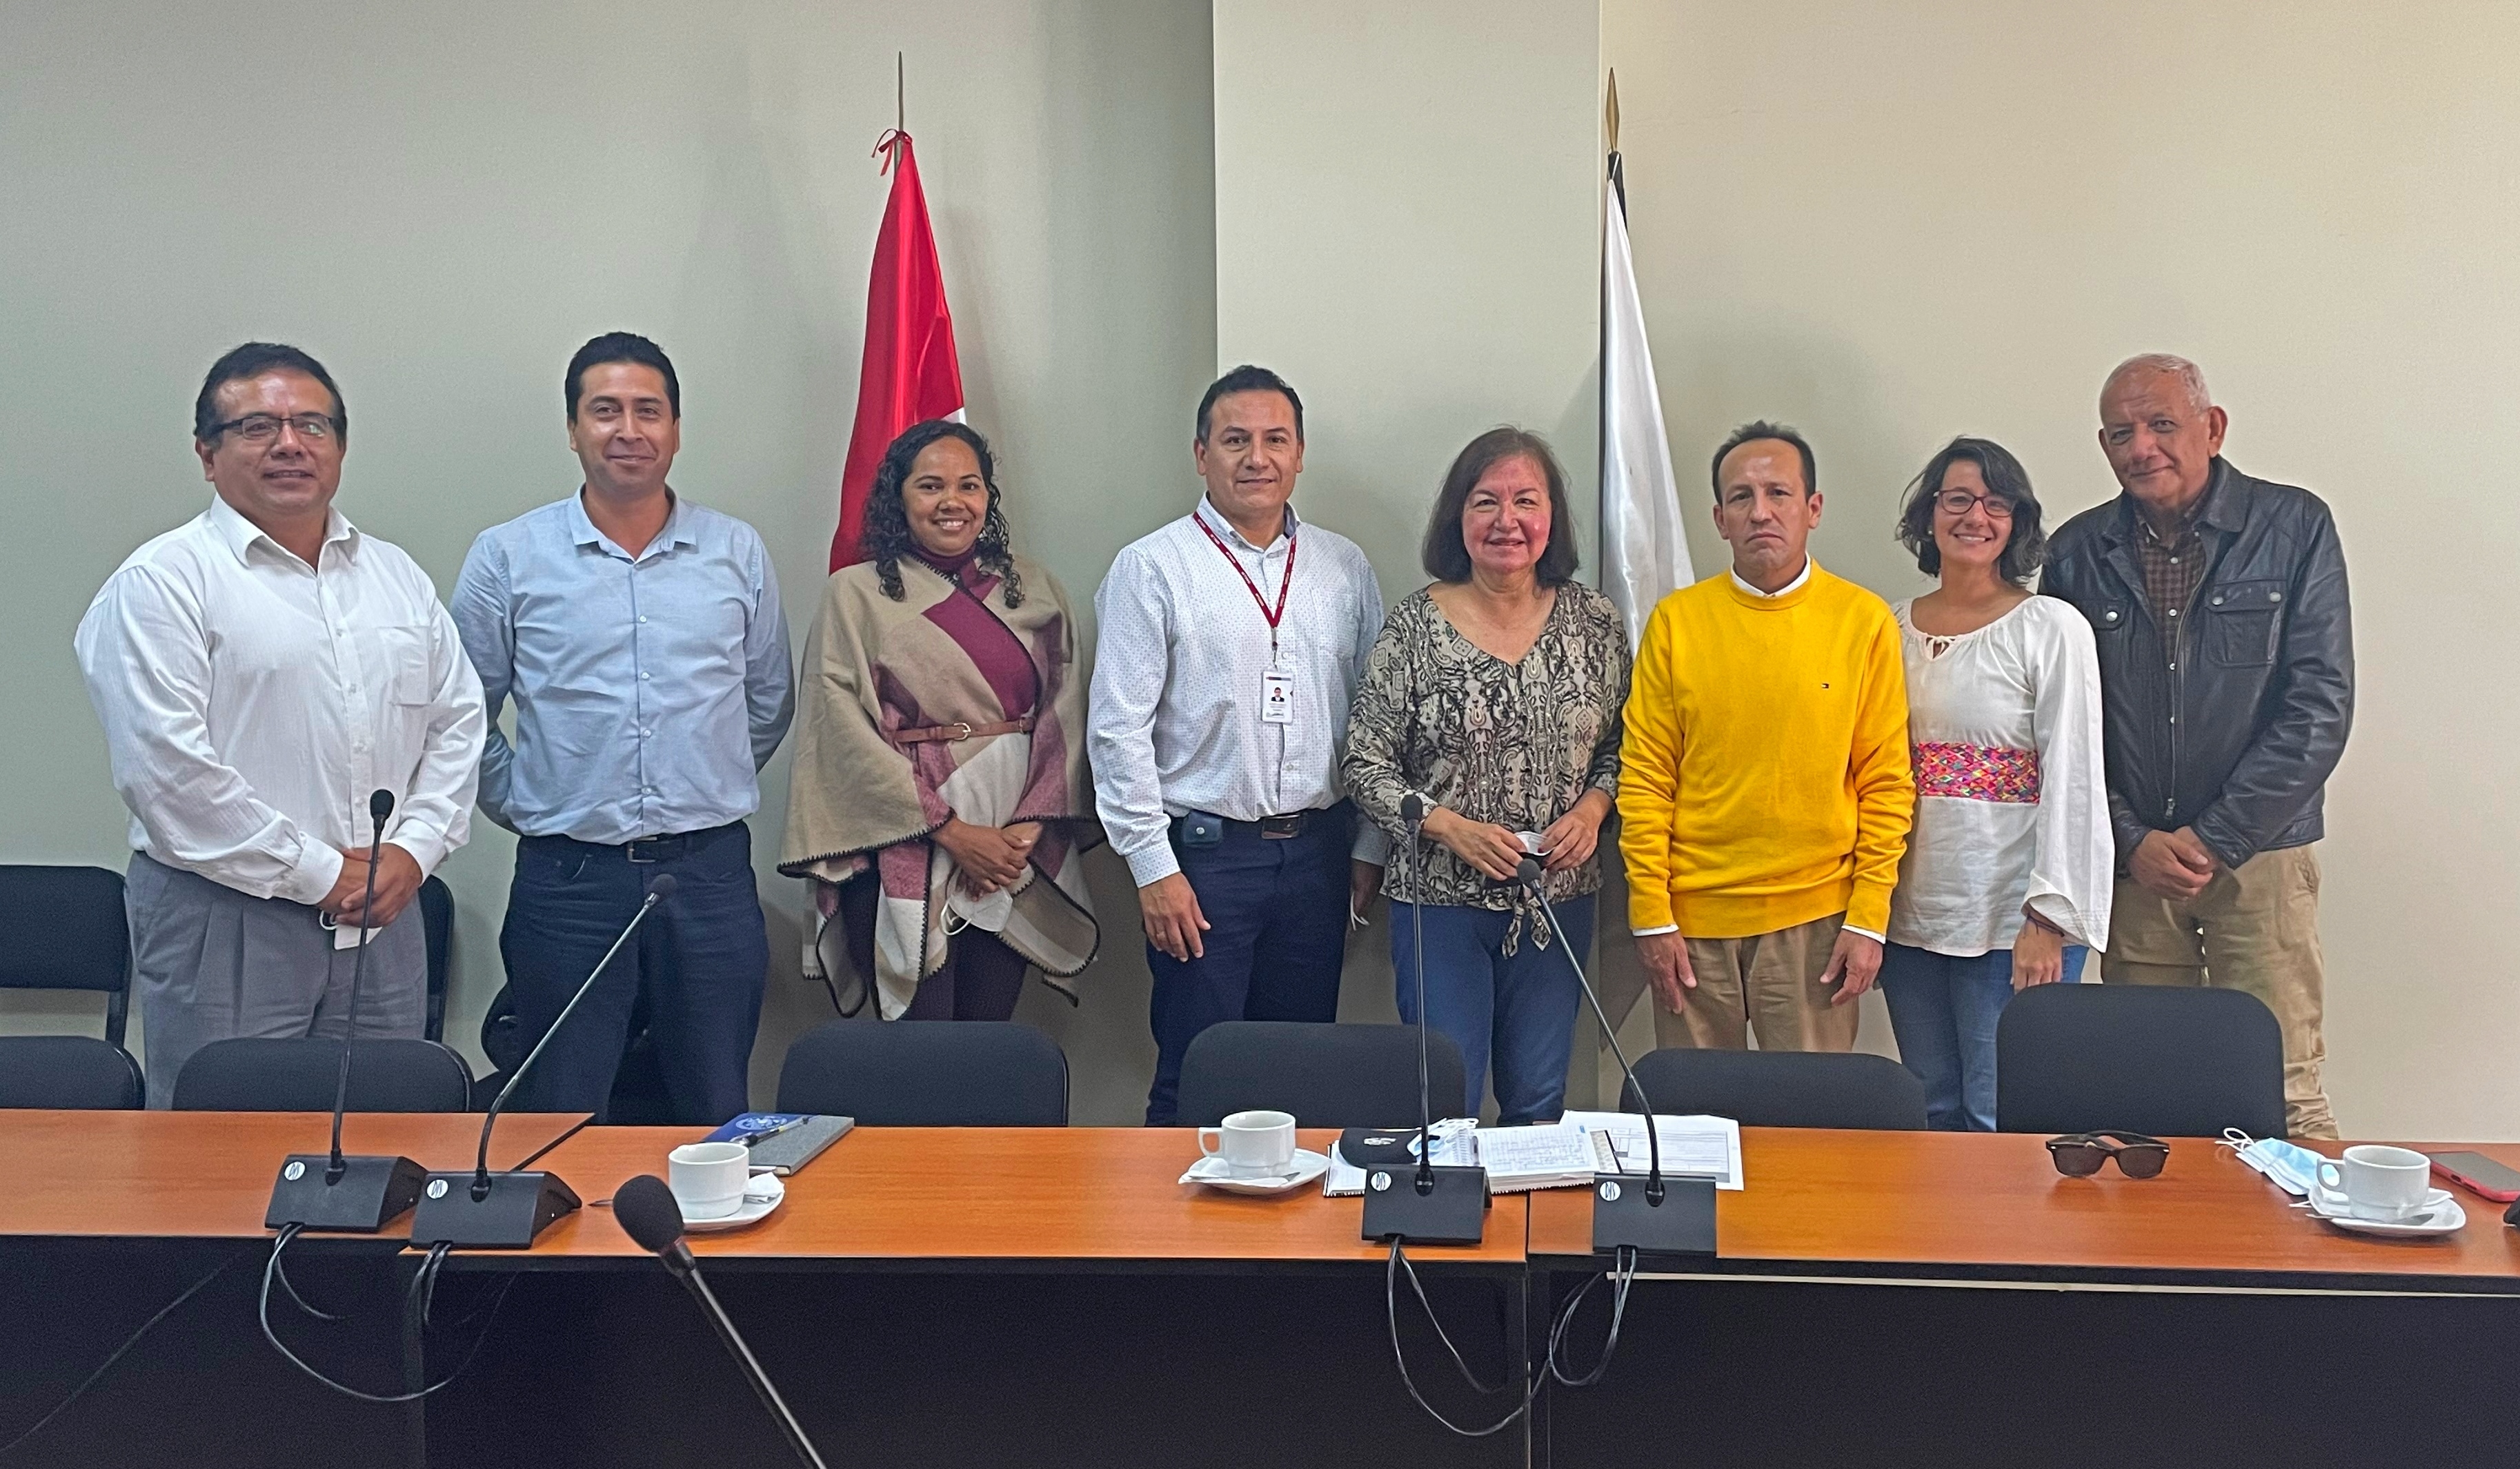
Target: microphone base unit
1455,1212
371,1193
517,1207
1683,1223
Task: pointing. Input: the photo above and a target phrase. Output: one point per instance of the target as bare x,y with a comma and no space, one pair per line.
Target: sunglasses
2079,1155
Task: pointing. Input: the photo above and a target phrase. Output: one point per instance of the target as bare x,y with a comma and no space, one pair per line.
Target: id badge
1276,699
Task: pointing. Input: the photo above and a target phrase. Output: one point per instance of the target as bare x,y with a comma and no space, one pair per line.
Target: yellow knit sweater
1766,778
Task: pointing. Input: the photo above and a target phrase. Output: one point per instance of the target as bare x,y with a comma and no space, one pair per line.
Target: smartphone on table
2479,1174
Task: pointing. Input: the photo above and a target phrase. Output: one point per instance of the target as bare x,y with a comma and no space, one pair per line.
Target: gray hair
2192,378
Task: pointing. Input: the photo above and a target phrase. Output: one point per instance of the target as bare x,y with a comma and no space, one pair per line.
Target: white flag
1645,556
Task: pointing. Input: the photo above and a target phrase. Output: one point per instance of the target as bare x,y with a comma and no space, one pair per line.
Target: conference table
971,1297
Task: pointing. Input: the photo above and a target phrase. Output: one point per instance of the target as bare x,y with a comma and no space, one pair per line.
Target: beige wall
1406,228
443,201
1891,224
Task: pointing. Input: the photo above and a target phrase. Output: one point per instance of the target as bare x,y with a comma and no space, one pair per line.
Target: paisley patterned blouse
1515,743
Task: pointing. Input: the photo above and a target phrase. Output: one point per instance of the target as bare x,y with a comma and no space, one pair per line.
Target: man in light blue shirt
641,639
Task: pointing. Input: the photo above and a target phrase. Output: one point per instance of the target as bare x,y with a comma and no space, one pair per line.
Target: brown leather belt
957,732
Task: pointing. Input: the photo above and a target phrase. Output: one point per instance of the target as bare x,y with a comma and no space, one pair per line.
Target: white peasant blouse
2004,725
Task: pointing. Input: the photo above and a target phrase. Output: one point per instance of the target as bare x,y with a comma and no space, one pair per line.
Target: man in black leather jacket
2227,666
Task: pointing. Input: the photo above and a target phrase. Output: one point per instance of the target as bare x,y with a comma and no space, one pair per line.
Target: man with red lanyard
1222,676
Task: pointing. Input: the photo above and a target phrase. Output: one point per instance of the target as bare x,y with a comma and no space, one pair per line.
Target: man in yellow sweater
1765,795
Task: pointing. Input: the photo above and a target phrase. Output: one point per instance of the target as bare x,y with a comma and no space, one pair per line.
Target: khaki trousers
1768,983
2254,927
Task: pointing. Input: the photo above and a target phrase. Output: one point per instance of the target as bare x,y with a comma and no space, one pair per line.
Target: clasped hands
398,879
1496,851
987,859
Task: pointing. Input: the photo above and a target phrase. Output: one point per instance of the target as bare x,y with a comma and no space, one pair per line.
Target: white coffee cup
1253,1144
2380,1183
708,1177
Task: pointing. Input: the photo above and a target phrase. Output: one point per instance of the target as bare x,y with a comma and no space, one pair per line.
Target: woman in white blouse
2010,866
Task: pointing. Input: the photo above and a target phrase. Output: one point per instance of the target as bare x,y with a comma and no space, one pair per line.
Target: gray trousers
208,963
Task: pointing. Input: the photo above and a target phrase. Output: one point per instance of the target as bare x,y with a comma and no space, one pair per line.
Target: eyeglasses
2079,1155
264,428
1956,502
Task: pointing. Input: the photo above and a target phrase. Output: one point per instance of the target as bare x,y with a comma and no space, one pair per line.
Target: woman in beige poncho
940,801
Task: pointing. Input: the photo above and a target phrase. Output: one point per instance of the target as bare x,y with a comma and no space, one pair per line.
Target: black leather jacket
2235,736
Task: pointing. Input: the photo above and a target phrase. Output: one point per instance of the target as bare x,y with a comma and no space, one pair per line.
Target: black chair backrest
299,1076
1328,1075
1783,1089
438,930
62,928
927,1074
2172,1062
68,1070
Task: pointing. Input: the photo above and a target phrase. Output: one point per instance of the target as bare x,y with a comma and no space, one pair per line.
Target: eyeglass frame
291,422
1990,500
2112,1145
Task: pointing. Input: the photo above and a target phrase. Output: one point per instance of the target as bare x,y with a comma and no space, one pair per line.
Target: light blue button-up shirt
650,690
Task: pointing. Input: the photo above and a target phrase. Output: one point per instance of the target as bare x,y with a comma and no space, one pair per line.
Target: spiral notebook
787,1140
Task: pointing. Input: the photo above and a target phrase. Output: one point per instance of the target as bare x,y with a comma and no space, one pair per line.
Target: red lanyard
1283,583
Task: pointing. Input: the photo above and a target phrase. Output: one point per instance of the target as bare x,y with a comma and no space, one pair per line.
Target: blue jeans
703,957
1521,1008
1276,937
1943,1009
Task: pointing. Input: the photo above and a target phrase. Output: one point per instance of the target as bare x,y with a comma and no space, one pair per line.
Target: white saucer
2440,1214
1306,1168
761,1195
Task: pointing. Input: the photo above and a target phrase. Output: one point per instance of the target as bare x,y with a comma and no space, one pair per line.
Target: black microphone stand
648,1215
334,1192
1443,1206
504,1210
1650,1214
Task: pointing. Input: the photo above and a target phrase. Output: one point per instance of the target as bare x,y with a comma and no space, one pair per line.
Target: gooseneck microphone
648,1215
1438,1205
506,1210
362,1194
1642,1213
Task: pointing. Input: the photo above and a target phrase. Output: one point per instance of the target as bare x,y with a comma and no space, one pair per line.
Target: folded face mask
2288,1165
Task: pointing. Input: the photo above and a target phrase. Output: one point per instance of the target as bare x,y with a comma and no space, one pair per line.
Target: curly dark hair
885,537
2025,548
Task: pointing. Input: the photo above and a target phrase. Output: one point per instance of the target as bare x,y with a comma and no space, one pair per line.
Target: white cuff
1152,865
1866,933
1668,928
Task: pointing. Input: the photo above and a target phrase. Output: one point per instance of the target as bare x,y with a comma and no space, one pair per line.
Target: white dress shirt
2012,805
251,703
1181,656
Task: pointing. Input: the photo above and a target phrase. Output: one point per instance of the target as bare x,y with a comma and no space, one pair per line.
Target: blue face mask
2287,1165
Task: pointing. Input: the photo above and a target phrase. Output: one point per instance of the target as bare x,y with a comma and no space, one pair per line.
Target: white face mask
2289,1167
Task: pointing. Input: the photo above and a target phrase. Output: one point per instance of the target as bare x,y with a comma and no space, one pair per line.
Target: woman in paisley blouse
1495,694
2007,879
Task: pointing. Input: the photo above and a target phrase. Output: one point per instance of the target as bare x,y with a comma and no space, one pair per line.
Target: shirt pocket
403,658
2243,619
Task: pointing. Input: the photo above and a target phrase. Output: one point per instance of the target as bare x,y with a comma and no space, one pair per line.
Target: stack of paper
1571,1152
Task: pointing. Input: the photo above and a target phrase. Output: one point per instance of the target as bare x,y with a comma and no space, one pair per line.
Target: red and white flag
909,373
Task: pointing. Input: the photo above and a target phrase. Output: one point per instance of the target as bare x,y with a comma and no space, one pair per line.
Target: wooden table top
1991,1204
208,1175
907,1194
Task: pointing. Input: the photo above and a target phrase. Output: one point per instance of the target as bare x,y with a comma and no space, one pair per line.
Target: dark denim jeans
1943,1010
1521,1008
703,957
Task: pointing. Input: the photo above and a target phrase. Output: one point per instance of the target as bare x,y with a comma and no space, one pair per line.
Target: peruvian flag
909,373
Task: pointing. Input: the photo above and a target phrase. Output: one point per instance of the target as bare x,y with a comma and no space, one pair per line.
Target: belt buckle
632,850
963,729
1281,828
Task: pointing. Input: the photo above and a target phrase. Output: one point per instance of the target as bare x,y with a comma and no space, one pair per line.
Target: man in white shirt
260,671
1223,669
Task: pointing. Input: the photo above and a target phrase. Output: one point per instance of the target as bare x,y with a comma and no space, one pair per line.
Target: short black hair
1760,428
1447,556
622,346
2025,549
244,364
1249,379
